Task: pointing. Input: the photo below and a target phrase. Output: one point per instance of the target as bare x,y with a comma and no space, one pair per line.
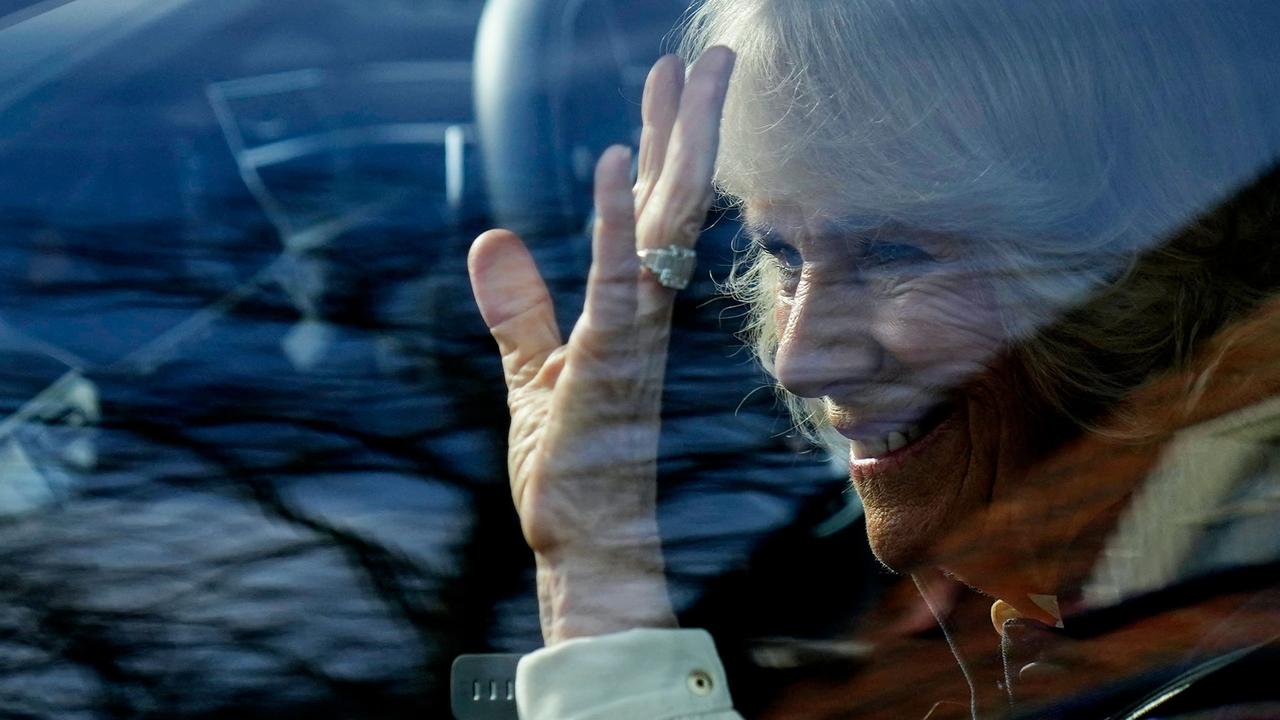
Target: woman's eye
879,255
785,256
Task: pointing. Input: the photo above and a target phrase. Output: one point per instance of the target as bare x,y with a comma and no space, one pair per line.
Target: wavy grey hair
1069,140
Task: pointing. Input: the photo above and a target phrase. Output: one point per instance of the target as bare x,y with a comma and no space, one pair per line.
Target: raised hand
585,413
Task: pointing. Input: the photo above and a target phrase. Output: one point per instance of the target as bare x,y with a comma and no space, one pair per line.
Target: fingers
677,208
611,284
678,151
658,110
683,192
514,303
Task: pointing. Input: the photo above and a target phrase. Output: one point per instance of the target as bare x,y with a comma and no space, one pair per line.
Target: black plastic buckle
484,687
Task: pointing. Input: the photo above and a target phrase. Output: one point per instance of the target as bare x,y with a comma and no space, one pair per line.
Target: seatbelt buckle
483,687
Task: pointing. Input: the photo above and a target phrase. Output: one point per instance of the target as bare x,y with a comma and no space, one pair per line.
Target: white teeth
870,448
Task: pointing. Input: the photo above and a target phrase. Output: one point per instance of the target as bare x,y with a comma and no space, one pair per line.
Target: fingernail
625,152
730,57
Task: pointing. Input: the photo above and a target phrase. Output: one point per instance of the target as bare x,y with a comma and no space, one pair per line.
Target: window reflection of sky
254,261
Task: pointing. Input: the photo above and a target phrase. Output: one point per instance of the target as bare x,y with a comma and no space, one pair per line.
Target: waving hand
585,412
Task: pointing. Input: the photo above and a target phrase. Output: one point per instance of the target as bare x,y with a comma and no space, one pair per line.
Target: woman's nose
826,340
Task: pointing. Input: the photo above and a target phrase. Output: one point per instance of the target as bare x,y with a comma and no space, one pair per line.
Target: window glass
982,312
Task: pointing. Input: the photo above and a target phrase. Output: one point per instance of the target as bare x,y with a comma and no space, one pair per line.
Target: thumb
514,303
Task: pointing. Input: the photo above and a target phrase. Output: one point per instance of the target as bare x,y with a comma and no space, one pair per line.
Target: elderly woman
1015,258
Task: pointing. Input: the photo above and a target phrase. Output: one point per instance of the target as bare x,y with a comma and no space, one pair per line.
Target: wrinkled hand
585,413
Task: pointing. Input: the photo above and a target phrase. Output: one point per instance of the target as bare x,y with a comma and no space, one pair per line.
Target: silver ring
672,266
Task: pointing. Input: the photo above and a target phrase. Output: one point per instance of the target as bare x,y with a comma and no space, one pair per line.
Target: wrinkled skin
883,325
585,412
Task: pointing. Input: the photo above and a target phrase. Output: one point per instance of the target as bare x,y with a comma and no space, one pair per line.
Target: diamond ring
672,266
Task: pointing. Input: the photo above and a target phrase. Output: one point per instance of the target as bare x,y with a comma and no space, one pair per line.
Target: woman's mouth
871,442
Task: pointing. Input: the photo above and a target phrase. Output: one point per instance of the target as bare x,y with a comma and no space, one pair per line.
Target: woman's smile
898,344
883,438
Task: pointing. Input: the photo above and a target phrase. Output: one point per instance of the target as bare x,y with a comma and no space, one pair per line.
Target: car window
966,407
253,427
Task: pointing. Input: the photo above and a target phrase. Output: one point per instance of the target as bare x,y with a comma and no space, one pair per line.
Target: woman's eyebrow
754,224
757,230
853,230
764,236
861,225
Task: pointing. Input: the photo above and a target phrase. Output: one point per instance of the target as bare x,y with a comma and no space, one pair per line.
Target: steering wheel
547,76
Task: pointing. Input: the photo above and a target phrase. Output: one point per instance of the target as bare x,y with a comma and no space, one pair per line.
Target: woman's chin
912,498
902,542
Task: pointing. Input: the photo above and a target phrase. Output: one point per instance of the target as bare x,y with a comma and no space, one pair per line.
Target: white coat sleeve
632,675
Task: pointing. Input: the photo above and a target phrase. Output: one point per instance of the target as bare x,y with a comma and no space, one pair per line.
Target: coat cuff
632,675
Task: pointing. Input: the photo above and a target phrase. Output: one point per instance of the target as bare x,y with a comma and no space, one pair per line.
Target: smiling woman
990,240
999,184
879,330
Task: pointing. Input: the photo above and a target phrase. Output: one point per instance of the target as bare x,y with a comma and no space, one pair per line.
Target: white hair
1066,137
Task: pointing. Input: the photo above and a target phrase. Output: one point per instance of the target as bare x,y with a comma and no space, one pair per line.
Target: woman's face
899,333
